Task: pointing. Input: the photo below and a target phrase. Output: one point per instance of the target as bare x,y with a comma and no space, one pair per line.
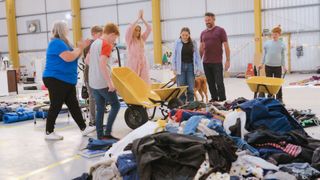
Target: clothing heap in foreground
260,140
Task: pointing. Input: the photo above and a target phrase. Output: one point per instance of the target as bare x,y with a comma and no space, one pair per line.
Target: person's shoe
53,136
88,130
92,123
107,137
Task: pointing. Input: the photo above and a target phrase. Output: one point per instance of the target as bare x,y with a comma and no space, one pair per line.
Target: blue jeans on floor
186,78
102,96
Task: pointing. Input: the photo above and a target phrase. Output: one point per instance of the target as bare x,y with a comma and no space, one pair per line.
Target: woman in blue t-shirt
60,77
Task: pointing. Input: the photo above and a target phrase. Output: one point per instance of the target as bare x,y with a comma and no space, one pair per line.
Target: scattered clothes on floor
313,81
316,159
106,169
305,117
84,176
302,171
194,105
144,130
280,175
222,152
180,115
268,113
19,115
96,144
4,109
127,167
291,149
231,105
168,156
308,145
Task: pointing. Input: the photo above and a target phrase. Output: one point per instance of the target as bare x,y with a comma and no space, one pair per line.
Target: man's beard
209,25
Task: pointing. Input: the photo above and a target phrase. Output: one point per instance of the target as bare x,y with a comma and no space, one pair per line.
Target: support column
156,27
12,33
257,32
76,21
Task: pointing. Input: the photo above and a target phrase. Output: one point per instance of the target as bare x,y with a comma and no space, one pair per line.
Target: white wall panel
242,51
25,7
92,3
2,9
182,8
311,49
236,24
129,12
32,42
58,5
285,3
126,1
98,16
297,19
3,25
86,33
22,23
57,17
171,29
4,44
227,6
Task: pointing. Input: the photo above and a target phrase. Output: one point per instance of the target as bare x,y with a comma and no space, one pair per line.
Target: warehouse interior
156,132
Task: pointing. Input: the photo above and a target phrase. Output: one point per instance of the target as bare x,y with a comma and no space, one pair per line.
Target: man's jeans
103,96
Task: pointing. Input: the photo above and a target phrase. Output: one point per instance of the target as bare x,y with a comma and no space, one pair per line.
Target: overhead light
68,16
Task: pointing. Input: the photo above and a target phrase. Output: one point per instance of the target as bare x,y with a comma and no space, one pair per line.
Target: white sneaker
88,130
53,136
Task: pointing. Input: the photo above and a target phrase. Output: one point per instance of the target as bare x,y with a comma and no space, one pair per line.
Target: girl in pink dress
135,40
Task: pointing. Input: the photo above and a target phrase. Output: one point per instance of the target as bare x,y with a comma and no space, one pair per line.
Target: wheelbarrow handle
284,74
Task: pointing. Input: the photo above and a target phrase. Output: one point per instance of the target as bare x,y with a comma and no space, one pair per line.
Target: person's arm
197,58
70,56
283,63
105,72
147,32
227,49
174,60
87,59
130,30
201,48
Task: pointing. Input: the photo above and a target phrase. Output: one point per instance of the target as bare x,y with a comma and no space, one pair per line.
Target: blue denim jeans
186,78
102,96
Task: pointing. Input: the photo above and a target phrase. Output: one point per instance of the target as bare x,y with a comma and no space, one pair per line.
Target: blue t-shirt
56,67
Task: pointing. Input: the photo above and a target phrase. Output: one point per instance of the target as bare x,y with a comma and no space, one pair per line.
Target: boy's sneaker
88,130
53,136
107,137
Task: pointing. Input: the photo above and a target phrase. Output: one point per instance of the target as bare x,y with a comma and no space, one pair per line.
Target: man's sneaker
88,130
53,136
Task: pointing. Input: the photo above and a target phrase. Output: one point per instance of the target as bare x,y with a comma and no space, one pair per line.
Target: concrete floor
24,154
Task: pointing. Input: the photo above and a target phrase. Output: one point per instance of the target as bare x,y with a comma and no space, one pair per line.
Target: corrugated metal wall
3,29
300,17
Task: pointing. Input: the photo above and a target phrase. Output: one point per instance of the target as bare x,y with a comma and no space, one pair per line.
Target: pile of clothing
263,141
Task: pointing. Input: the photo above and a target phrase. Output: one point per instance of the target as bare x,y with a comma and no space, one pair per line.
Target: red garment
291,149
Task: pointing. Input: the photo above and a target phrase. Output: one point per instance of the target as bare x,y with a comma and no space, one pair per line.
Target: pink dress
137,60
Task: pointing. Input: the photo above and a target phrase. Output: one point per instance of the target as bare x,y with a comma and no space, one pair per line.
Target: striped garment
288,148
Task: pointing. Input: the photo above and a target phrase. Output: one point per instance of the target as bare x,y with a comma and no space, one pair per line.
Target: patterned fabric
291,149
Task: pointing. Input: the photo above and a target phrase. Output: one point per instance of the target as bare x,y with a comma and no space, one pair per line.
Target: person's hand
83,44
111,87
260,66
284,69
140,15
227,65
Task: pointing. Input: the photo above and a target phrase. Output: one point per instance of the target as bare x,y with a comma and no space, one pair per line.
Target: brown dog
200,85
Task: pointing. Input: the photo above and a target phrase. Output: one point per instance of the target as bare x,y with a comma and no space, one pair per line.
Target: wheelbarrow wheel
135,116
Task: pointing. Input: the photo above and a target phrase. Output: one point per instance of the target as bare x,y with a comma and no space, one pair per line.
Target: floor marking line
59,163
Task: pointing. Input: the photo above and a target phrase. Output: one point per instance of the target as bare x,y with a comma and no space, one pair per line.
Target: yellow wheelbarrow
262,84
139,96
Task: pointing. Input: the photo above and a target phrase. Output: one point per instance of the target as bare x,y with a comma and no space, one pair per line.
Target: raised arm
147,32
